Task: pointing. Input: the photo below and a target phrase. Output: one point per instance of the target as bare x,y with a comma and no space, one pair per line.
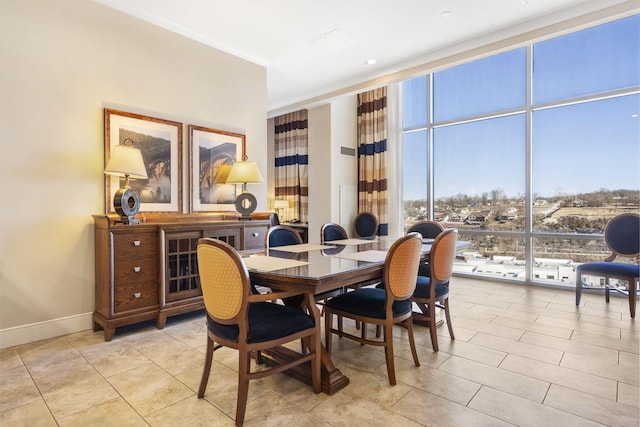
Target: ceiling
311,48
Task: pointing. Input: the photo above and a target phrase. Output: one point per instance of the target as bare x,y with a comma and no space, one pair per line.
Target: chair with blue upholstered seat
384,306
331,232
365,225
622,236
247,322
433,291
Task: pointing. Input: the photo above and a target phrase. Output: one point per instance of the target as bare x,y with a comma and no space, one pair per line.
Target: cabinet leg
162,320
109,332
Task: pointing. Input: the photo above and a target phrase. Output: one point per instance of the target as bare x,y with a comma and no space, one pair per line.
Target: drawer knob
137,269
256,234
136,243
137,295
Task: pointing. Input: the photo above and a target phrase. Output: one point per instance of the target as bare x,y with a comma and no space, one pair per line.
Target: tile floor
522,356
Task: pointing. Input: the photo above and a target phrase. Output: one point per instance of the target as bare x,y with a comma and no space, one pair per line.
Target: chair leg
412,341
633,290
388,352
363,332
448,317
244,364
578,289
207,368
433,325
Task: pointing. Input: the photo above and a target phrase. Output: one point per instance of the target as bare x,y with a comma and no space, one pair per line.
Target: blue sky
576,148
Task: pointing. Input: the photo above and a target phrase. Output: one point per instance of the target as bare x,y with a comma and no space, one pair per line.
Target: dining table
318,269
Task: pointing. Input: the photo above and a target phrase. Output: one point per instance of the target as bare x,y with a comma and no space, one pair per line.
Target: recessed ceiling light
446,13
371,61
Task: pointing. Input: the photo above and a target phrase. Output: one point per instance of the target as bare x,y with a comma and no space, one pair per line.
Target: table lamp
279,205
245,172
126,160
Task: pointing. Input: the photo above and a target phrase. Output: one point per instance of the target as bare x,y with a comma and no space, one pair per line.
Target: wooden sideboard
149,271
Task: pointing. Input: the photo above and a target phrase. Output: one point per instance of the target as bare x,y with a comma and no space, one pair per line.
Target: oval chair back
443,253
331,231
622,235
428,229
401,268
282,235
365,224
224,281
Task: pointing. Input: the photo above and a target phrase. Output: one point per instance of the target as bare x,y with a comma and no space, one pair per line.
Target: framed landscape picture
212,153
160,142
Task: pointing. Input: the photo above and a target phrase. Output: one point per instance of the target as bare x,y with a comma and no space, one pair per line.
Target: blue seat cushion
368,302
609,269
267,321
423,288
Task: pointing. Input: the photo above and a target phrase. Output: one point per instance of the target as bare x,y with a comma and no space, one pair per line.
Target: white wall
344,168
63,63
320,169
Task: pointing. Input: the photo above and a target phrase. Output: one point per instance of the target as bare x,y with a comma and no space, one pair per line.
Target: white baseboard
44,330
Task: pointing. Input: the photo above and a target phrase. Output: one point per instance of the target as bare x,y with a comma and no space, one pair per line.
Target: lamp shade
244,172
126,160
280,204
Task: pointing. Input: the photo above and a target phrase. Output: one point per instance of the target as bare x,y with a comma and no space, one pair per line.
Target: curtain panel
292,163
372,156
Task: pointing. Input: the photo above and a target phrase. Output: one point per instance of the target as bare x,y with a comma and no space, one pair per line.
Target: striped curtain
372,156
292,160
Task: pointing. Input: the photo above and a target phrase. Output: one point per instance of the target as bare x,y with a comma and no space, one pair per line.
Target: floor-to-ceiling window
528,152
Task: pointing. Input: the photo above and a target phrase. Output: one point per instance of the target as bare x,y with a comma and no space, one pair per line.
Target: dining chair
282,235
331,231
274,219
365,224
622,236
432,291
385,306
247,322
429,230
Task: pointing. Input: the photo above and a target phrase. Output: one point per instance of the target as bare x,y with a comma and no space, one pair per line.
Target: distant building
476,218
457,218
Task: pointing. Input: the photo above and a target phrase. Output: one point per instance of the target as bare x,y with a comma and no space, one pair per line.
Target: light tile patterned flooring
522,356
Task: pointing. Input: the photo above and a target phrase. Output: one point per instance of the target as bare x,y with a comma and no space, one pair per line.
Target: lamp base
127,220
246,203
126,203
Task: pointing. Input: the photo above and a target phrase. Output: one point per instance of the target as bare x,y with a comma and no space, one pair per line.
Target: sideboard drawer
254,237
135,270
132,295
135,245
